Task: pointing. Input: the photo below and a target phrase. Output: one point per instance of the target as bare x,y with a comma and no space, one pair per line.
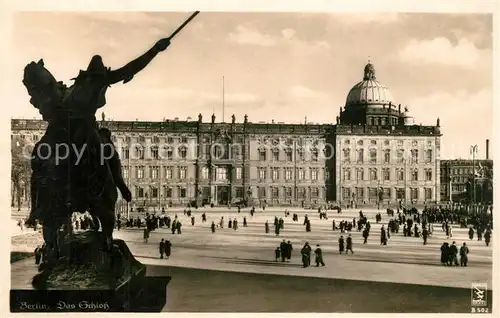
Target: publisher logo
479,294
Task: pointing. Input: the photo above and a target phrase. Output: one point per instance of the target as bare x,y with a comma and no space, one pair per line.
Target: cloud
458,111
247,36
441,51
368,18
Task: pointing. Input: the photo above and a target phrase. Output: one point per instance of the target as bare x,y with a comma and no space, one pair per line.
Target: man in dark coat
213,227
464,250
366,233
306,254
146,235
38,255
319,256
471,233
425,234
349,244
162,248
444,253
341,244
283,250
453,250
383,236
266,226
487,237
168,249
289,250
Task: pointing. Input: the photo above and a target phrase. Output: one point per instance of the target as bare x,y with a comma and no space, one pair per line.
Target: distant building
457,180
372,153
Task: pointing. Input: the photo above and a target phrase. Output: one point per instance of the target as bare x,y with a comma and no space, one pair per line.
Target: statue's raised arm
127,72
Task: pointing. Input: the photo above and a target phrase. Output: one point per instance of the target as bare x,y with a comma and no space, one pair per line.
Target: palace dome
369,91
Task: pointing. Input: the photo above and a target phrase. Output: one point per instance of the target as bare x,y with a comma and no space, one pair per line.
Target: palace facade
372,153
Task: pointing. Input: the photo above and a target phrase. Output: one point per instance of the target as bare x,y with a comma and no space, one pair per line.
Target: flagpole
223,92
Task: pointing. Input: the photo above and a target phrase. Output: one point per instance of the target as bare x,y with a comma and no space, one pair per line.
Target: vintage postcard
170,159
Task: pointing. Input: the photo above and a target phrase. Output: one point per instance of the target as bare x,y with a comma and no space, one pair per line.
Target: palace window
300,155
300,174
301,193
205,173
386,193
372,194
239,192
360,193
347,174
262,155
139,152
428,174
168,172
142,139
346,193
401,156
373,156
360,153
360,174
414,156
184,140
261,192
167,192
386,142
400,193
275,173
360,142
401,174
154,172
139,192
170,154
125,172
414,174
262,173
314,174
428,156
154,192
221,173
154,152
428,193
276,192
288,192
314,193
235,151
373,142
182,173
276,155
288,174
314,155
387,174
140,172
182,192
387,156
347,155
373,174
239,173
125,153
414,193
289,155
156,139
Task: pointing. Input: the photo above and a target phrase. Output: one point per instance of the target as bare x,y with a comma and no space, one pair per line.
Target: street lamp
473,151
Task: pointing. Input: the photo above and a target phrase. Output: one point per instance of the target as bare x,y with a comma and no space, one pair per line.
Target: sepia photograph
199,161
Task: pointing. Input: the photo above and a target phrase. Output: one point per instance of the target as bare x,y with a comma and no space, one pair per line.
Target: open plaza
224,256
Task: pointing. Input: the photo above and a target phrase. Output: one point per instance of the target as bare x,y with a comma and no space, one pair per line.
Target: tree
20,169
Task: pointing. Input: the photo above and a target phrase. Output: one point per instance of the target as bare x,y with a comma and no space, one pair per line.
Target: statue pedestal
85,279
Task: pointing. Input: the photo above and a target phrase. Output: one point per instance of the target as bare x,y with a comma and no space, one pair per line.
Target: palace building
372,153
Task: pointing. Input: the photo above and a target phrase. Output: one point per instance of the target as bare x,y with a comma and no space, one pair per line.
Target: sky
276,66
